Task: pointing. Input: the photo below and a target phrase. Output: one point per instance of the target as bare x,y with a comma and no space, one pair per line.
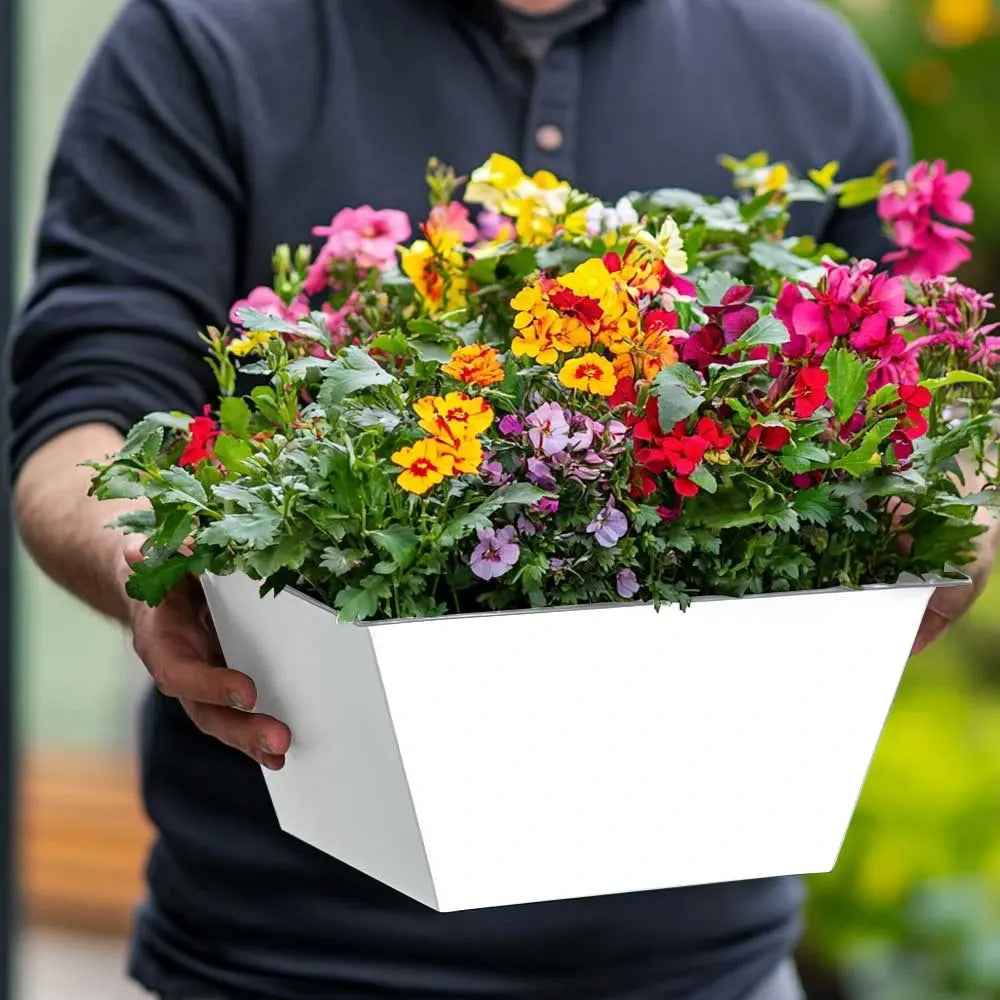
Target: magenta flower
548,428
510,426
924,212
267,301
626,583
493,226
495,554
548,505
540,474
610,526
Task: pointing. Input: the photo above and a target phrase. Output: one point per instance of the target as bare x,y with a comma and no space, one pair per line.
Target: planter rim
948,577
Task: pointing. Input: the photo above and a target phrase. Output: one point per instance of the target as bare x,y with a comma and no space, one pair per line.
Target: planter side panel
343,788
593,751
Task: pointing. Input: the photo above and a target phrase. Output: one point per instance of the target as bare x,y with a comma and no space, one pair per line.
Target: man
204,133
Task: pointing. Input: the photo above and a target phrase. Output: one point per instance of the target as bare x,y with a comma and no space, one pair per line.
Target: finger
133,549
931,629
261,737
180,675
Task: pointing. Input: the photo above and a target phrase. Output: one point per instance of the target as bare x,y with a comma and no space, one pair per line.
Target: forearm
66,531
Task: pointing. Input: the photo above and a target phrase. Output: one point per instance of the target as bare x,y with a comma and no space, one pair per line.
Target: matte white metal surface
495,759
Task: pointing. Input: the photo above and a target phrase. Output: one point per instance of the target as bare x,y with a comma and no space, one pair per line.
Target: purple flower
524,527
626,584
540,474
548,505
548,428
610,525
496,552
557,565
492,473
510,426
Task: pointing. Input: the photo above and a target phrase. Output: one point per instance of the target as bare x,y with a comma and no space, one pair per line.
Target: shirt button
549,138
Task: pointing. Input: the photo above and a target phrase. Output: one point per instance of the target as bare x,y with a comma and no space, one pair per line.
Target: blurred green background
913,910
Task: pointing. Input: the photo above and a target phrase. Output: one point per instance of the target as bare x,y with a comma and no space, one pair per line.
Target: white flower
667,246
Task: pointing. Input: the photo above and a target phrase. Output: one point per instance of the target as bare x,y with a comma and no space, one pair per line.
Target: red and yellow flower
424,464
476,364
455,417
438,275
591,373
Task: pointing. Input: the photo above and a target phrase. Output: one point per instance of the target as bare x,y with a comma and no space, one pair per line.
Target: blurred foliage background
912,911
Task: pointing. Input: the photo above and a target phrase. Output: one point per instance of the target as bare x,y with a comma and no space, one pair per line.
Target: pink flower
267,301
924,212
448,225
494,226
364,235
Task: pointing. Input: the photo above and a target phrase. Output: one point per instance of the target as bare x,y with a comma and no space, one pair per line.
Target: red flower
612,262
660,321
734,315
771,437
704,347
204,430
587,310
685,487
810,391
713,433
807,480
914,424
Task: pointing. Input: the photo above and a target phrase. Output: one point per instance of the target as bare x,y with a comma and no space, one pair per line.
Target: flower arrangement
567,402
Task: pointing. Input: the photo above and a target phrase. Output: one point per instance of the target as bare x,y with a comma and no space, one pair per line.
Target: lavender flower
626,584
495,554
540,474
557,565
610,526
548,428
510,426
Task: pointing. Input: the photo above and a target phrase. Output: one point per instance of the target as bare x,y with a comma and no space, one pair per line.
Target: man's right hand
179,647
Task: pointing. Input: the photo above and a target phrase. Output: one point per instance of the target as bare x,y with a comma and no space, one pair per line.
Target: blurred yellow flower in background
959,22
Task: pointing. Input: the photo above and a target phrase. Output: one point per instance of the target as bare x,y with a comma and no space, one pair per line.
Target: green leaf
784,520
252,320
883,396
353,370
391,343
400,542
848,381
302,368
714,286
234,415
231,451
288,554
372,416
860,191
426,350
803,457
778,257
179,486
137,521
516,493
646,517
767,330
257,530
238,495
675,198
816,506
719,375
865,458
171,533
359,603
703,478
676,394
119,484
144,441
337,561
151,583
955,378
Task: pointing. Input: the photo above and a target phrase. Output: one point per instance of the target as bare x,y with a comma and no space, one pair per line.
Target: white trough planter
494,759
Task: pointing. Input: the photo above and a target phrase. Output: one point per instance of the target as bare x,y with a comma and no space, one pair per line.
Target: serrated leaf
719,375
516,493
151,583
337,561
427,350
883,396
137,521
352,371
258,529
118,485
848,381
646,517
784,520
866,457
301,368
816,506
232,452
359,603
144,441
239,495
400,542
179,486
676,396
372,416
288,554
766,331
252,320
391,343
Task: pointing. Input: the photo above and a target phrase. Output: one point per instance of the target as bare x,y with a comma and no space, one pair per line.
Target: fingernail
205,617
236,701
265,746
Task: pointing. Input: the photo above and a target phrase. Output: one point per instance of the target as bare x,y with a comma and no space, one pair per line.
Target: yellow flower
960,22
475,365
591,278
494,184
776,178
647,355
425,464
454,418
252,341
667,246
591,373
535,340
467,456
438,277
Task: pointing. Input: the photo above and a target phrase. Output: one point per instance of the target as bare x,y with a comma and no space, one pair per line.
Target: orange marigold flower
475,365
425,464
592,373
454,418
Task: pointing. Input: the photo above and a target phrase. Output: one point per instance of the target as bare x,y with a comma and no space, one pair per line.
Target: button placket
550,127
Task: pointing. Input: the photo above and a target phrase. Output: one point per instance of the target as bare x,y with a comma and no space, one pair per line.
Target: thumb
133,549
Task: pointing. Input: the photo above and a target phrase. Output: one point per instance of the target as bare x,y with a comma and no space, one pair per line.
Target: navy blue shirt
204,133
